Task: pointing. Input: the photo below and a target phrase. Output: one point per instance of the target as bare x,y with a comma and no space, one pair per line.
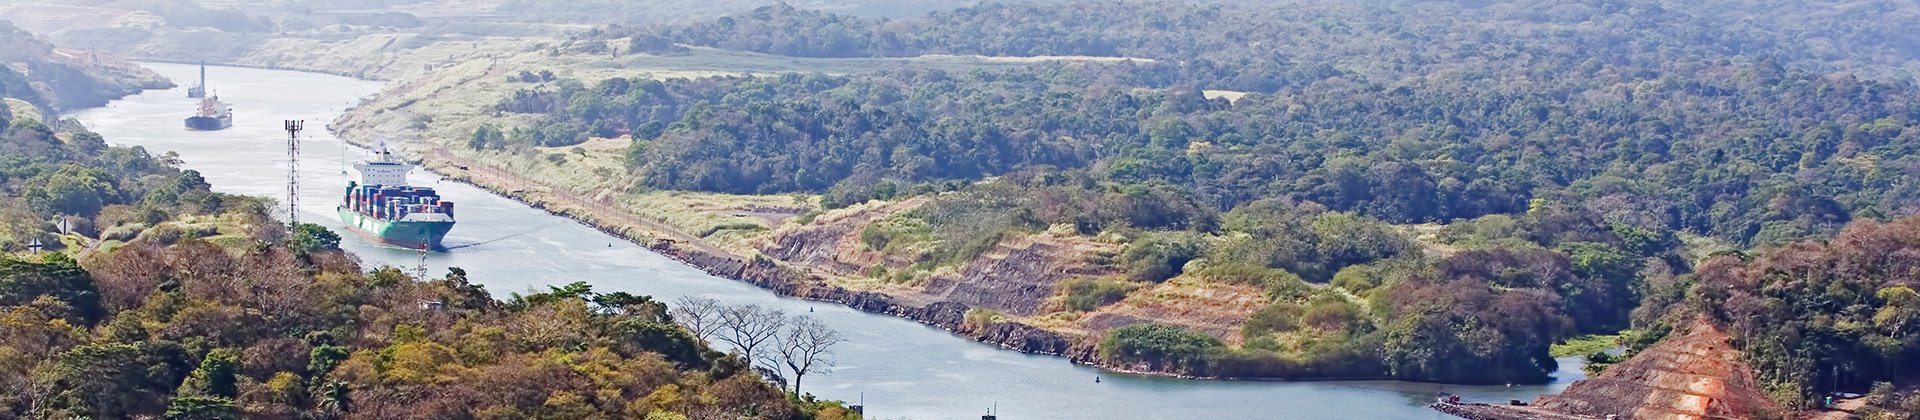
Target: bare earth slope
1694,376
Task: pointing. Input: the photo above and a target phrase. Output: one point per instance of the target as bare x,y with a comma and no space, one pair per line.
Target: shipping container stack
393,203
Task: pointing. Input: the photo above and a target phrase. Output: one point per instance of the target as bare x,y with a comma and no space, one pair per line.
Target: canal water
899,368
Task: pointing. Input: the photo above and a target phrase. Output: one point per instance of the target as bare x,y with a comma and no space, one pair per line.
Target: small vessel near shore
381,206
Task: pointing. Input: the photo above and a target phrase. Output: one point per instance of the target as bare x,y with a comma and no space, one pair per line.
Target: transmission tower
293,171
420,271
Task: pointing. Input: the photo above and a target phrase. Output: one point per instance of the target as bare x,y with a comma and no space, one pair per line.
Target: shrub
1157,258
1280,284
1161,347
125,232
1278,317
980,319
1090,294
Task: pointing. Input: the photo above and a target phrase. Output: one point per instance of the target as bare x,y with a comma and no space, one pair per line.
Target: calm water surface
902,369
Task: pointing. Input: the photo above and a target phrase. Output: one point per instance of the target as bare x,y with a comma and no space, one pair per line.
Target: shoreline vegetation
1421,190
783,280
547,97
129,289
187,310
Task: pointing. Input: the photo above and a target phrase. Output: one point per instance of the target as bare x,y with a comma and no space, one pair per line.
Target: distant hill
49,77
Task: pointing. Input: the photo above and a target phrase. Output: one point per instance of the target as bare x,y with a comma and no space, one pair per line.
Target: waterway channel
899,368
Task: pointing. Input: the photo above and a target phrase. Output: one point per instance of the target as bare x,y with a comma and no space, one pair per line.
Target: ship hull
208,123
410,235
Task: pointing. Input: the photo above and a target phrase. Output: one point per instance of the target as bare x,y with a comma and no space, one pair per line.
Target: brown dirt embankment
1698,375
950,316
1018,276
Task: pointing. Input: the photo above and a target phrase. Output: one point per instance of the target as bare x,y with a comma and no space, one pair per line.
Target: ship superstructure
199,90
382,206
212,115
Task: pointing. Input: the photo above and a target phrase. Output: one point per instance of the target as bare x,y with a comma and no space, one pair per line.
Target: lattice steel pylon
293,171
420,271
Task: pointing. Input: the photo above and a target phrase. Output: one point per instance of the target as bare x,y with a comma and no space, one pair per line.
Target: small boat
213,115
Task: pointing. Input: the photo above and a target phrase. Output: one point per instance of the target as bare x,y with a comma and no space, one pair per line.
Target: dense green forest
158,298
1271,46
1703,155
1562,153
1811,316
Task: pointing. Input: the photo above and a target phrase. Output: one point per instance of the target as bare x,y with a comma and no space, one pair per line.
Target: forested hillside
1811,316
1269,46
1414,190
1694,153
154,297
61,79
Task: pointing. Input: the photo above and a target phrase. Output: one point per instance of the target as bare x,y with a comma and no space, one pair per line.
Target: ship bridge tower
384,169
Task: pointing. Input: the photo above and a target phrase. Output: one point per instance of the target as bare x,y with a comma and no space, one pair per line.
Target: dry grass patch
707,214
22,110
1206,306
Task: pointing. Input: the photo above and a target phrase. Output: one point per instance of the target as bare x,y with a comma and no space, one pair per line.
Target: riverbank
760,272
1020,280
692,250
783,278
321,70
902,368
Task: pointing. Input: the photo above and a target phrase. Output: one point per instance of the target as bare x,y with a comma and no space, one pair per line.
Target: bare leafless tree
700,315
807,347
746,327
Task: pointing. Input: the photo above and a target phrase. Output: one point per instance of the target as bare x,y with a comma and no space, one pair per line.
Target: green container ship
383,207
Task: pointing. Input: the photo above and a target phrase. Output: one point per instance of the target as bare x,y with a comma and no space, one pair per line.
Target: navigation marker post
293,171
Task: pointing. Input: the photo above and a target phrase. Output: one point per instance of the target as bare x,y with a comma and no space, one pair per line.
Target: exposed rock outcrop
832,242
950,316
1019,275
1016,277
1698,375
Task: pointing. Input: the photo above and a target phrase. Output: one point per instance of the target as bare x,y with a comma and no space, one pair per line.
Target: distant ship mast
200,90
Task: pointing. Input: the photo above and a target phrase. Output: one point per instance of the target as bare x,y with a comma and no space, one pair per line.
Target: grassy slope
433,114
443,87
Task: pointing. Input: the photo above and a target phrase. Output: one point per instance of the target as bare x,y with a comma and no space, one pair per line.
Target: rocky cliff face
832,242
1018,276
949,316
1698,375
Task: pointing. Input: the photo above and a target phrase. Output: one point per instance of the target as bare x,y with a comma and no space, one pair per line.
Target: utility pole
293,171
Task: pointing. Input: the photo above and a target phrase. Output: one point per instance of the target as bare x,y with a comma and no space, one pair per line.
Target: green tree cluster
1815,316
271,323
1471,202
